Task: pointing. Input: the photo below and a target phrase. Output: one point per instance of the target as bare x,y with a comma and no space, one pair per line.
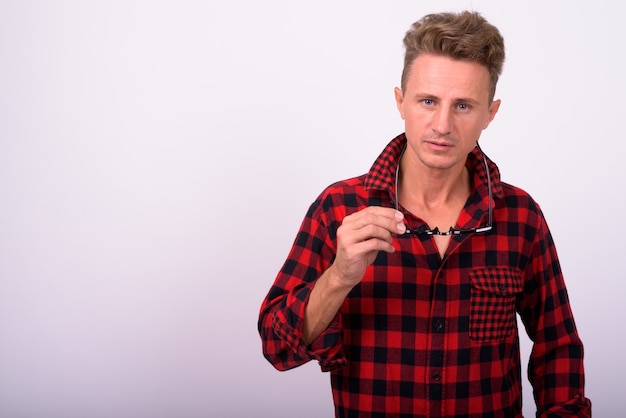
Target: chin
441,162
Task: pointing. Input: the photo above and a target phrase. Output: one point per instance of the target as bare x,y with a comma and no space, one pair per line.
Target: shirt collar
382,174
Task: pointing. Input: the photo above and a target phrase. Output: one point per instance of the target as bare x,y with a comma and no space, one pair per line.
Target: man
413,319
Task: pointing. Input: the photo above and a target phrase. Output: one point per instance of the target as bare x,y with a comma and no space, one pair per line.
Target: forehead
445,77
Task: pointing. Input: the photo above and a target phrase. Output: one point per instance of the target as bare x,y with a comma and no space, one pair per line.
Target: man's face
445,106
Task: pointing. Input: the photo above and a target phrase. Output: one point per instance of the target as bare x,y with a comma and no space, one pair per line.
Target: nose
442,122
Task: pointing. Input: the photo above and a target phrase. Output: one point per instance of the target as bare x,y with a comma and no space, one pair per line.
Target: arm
281,317
299,318
555,369
359,239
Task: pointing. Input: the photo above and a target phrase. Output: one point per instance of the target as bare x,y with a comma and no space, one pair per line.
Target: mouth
440,145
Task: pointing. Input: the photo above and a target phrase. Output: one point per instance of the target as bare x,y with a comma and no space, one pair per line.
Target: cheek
470,131
477,131
415,116
403,111
487,121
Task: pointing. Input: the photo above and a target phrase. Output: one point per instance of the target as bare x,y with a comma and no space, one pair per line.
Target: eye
463,106
428,102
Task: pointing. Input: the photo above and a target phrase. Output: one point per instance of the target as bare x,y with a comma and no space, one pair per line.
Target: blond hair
465,36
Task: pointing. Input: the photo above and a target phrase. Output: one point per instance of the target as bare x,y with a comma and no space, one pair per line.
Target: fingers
370,229
361,236
376,221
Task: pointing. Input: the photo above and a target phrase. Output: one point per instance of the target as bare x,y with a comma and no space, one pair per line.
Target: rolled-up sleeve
556,369
281,319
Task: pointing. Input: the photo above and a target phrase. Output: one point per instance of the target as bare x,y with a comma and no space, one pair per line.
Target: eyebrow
468,100
457,100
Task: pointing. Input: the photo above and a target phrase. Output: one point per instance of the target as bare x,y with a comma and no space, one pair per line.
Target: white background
157,157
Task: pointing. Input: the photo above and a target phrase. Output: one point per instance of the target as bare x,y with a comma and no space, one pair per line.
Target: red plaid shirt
422,336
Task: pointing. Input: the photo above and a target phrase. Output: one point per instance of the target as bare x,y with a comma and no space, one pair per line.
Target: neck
427,188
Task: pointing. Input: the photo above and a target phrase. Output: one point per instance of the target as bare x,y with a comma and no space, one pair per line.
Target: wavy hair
465,36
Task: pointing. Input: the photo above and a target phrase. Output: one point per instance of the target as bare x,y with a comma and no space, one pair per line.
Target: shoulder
520,208
347,196
516,197
348,193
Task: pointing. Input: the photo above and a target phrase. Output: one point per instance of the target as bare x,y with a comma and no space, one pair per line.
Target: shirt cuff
288,324
579,407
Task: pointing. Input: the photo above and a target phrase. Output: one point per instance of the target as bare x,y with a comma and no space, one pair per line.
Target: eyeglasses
423,229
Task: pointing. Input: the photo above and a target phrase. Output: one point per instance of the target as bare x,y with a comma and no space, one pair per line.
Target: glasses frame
424,230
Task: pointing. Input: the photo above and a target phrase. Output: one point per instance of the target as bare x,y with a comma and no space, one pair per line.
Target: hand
359,239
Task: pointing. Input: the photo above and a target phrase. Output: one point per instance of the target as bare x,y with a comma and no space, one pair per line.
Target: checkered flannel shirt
423,336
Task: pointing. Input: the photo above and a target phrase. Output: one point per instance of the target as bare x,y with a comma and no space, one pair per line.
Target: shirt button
438,326
436,377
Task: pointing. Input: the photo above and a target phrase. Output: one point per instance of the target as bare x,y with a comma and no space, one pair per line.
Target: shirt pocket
492,303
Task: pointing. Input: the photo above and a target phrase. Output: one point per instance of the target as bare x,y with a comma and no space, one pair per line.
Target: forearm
556,368
324,302
281,322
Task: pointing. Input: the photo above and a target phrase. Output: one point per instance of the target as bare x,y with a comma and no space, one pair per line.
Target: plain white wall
157,157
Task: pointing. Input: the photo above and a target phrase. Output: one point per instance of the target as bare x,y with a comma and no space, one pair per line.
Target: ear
399,100
493,109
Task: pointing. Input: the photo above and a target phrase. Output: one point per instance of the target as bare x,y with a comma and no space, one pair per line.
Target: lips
439,144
